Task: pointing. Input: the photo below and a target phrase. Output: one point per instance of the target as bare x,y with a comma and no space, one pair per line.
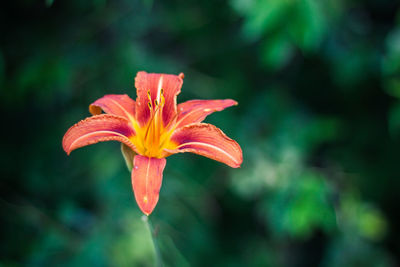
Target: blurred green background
318,86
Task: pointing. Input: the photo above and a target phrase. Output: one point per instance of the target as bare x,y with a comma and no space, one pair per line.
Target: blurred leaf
358,218
372,224
277,52
302,207
311,24
263,16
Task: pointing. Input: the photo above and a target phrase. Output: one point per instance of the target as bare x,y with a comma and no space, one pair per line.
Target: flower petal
197,110
146,181
153,83
96,129
119,105
209,141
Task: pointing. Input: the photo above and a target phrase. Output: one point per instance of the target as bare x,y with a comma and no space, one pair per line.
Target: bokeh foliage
318,86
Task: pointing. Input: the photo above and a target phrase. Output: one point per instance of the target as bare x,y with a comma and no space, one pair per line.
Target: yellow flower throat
152,138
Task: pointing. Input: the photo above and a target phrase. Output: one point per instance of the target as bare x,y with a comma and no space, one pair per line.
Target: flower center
152,138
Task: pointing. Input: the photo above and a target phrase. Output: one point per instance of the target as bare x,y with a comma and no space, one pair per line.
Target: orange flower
152,128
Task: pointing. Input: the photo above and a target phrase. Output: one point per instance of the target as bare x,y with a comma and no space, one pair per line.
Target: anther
149,105
162,98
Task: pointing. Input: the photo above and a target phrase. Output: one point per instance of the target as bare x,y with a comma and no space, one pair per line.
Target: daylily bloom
152,128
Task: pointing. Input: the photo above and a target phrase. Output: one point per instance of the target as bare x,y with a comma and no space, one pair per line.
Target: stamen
155,135
150,102
150,123
162,97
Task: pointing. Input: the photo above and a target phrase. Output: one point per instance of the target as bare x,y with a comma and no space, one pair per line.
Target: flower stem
146,220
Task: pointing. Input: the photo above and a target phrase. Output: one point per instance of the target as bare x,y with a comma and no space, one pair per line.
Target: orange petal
197,110
146,181
153,83
119,105
96,129
209,141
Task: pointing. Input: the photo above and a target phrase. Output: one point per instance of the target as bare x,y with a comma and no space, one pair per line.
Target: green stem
146,220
